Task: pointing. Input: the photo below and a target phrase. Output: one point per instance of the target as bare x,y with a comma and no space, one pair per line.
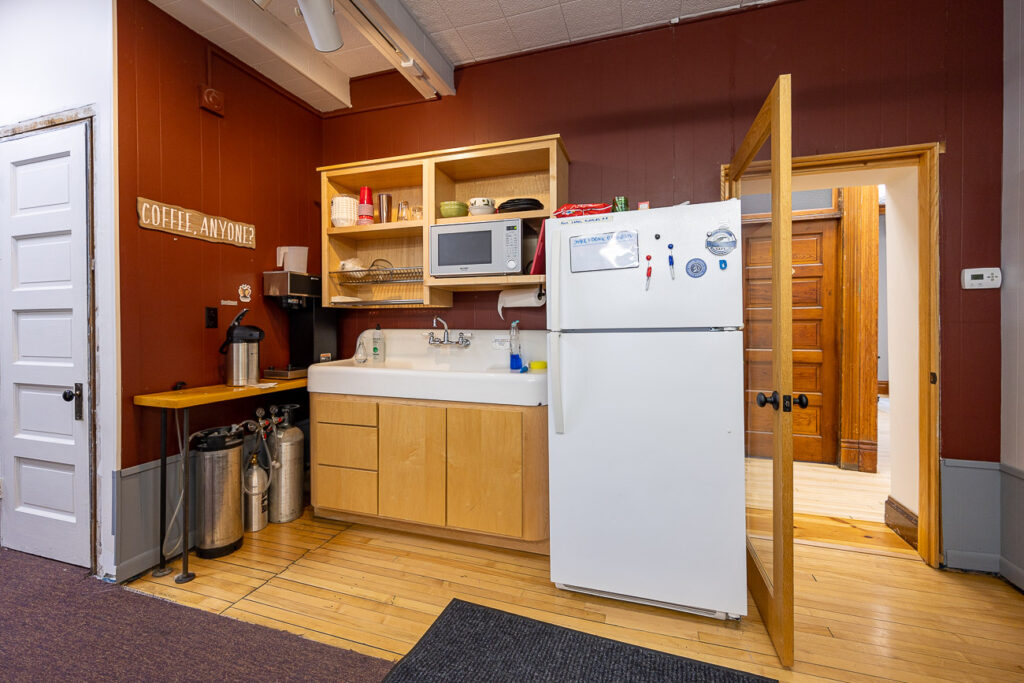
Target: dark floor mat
476,644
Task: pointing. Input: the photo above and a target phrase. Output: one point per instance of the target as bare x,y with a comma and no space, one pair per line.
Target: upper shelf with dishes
367,260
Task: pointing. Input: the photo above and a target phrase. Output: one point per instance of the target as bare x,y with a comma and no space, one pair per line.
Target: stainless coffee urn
242,349
286,448
218,458
255,485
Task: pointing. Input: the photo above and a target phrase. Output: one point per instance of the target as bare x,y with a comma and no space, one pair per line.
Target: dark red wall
257,164
653,115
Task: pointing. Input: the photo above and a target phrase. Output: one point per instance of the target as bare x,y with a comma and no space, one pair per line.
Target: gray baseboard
1011,497
971,514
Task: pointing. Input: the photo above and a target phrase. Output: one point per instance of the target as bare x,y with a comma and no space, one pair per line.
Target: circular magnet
696,267
721,242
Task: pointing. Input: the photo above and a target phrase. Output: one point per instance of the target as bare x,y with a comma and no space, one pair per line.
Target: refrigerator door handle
555,377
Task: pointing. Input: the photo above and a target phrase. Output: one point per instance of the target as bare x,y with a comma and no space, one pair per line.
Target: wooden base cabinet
476,472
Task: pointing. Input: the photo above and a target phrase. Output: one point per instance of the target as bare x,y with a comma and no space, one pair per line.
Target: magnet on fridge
722,264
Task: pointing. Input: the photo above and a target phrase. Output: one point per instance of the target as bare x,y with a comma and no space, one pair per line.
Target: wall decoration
190,223
244,293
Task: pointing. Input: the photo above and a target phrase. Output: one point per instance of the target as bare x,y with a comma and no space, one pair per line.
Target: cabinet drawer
346,446
346,411
341,488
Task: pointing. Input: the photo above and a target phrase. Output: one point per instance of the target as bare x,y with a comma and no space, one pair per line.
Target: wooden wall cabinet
532,167
475,472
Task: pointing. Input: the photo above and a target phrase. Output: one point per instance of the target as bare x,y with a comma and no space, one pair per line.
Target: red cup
365,195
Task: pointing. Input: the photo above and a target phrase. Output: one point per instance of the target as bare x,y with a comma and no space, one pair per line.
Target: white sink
412,368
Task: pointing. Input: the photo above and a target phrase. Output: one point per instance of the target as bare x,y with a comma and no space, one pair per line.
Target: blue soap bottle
515,359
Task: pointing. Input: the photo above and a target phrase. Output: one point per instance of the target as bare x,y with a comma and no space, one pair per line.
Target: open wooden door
770,543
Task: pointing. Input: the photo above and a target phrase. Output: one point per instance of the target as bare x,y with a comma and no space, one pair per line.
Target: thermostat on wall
981,278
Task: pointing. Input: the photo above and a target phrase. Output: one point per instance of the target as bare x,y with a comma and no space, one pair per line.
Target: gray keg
255,485
287,484
218,458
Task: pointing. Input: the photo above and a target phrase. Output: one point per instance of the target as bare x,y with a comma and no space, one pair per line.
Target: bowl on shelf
481,210
454,209
342,221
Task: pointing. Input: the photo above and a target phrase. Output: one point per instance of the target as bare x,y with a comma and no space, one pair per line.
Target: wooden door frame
925,159
774,595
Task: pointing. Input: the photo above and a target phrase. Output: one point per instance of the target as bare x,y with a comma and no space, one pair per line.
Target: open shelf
374,276
376,231
484,282
525,215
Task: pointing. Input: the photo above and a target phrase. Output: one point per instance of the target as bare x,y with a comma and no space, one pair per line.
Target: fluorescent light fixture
323,28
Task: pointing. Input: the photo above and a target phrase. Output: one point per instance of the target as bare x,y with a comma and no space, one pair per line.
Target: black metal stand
163,569
185,576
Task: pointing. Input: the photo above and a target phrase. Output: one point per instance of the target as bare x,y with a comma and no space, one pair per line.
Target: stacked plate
520,204
343,211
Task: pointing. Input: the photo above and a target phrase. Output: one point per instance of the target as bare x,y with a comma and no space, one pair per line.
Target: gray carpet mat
471,643
57,623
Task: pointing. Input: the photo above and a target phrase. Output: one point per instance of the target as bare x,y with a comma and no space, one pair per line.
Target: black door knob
68,395
772,400
801,400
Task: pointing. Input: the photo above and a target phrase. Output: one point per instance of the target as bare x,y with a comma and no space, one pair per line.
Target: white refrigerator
645,420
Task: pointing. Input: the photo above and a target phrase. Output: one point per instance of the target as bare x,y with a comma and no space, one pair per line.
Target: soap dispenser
515,358
378,345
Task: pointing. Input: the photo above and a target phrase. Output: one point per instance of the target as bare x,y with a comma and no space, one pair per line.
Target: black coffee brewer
312,329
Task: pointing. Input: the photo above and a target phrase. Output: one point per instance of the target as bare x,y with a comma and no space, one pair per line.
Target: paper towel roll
519,298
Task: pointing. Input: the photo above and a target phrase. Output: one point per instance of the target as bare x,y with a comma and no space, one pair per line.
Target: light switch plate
981,278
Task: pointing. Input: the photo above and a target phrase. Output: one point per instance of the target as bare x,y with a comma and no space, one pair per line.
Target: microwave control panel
513,246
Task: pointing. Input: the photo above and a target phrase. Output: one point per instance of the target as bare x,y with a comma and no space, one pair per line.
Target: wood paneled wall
257,164
653,115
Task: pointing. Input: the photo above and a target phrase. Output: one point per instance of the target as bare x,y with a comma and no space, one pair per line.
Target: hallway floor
859,613
827,490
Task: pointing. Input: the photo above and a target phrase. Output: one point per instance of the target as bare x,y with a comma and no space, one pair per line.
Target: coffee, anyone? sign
189,223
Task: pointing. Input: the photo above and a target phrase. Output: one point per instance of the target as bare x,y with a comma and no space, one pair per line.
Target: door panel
44,296
485,470
412,463
815,318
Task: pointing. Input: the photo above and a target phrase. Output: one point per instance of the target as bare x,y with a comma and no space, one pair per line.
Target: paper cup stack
343,211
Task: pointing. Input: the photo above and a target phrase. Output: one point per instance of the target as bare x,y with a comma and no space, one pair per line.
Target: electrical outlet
211,317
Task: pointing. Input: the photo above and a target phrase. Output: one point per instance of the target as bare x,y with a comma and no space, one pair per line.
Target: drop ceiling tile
513,7
489,39
224,34
277,71
692,8
284,11
429,15
539,28
452,46
589,18
467,12
637,13
249,51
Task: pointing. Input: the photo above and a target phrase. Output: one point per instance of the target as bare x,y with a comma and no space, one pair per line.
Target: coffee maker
312,329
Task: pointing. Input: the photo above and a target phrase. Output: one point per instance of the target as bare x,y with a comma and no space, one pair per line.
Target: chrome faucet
462,341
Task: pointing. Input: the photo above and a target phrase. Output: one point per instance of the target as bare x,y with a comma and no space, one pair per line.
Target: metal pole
163,569
185,576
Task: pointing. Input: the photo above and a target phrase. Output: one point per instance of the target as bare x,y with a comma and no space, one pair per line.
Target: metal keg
287,450
218,458
255,485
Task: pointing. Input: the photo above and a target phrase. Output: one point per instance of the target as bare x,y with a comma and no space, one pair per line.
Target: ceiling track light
323,28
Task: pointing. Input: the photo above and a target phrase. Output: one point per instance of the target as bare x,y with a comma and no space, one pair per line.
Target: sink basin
414,369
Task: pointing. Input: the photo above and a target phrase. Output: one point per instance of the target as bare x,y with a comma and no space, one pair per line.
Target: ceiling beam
284,44
389,27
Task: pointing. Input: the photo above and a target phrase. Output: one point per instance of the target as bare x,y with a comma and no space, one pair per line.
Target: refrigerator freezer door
597,269
646,480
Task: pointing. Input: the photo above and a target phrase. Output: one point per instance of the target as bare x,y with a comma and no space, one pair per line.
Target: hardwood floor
865,614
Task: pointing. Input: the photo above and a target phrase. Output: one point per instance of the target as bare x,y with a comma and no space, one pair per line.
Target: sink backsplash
487,348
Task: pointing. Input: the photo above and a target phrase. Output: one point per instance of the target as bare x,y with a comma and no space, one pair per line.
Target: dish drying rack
378,273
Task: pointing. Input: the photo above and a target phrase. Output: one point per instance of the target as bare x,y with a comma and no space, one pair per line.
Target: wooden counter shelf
485,283
215,393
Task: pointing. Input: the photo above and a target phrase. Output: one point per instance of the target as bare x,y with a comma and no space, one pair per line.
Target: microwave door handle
555,377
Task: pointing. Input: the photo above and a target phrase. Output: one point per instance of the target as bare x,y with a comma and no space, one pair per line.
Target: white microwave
493,247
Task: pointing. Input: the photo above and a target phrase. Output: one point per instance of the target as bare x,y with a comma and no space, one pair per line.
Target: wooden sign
188,223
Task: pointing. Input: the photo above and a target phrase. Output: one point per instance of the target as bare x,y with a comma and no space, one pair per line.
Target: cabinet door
346,446
412,463
485,470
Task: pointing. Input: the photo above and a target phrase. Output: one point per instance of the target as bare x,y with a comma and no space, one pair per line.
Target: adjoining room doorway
910,175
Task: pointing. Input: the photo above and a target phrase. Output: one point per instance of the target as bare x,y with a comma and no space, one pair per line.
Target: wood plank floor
862,614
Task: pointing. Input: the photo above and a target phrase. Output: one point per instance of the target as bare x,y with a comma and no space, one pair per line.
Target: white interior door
44,351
